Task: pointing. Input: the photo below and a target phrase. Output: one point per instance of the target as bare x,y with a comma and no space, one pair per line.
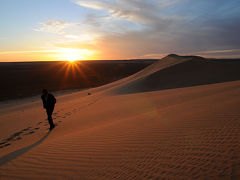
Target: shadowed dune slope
119,86
185,72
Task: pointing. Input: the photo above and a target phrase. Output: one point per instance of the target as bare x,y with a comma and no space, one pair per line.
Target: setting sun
71,57
71,61
70,54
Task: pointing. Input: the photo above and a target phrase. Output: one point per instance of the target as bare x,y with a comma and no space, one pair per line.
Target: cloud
53,26
137,11
154,56
221,51
140,28
71,36
75,45
233,53
100,5
126,16
21,52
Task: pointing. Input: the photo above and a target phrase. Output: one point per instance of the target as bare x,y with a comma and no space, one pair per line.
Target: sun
72,57
71,54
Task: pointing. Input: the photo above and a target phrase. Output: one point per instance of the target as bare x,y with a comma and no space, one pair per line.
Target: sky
50,30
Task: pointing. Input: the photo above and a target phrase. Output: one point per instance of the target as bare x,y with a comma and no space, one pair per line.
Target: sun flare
71,55
72,61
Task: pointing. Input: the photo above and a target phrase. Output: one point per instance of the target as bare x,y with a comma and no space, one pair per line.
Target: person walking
49,102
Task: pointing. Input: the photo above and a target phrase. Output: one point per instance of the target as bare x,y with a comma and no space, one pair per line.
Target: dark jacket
50,101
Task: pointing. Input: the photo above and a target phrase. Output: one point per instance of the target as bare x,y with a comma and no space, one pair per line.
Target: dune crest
181,71
166,62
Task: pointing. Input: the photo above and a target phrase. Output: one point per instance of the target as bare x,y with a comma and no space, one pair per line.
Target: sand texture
178,118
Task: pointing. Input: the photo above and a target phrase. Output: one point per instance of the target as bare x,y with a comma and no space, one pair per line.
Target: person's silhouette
48,104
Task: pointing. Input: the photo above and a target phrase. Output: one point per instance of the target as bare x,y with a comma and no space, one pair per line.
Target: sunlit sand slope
178,133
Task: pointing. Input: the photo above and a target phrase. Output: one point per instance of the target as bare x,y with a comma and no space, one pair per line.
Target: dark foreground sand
186,132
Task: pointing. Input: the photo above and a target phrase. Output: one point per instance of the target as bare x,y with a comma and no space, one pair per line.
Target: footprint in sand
5,145
18,136
16,139
2,143
26,129
31,132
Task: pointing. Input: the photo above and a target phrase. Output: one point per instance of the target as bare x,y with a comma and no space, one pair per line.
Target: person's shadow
13,155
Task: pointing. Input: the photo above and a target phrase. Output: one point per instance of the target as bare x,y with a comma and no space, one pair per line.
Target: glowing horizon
117,29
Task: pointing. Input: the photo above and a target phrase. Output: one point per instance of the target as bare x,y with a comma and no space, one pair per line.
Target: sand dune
146,126
189,71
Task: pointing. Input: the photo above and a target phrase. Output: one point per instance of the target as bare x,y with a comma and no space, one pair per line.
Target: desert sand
178,118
